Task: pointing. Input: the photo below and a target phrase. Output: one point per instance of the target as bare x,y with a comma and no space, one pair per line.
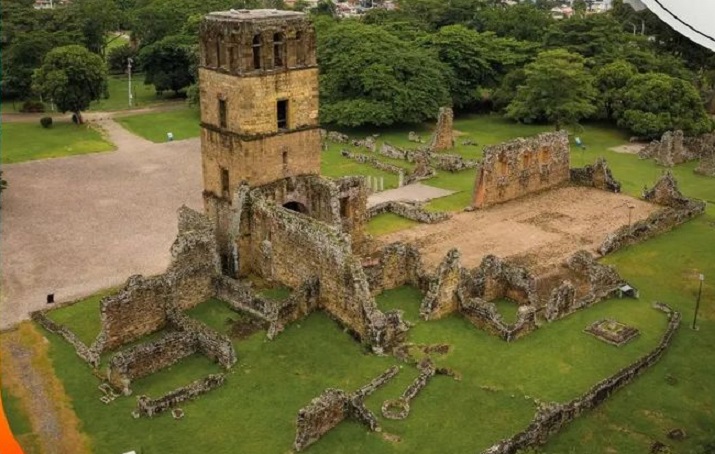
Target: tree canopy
71,77
653,103
369,76
168,64
557,89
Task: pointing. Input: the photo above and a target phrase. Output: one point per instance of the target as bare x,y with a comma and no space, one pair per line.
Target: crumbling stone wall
677,209
441,161
598,176
393,266
706,166
150,407
91,354
140,307
520,167
670,150
290,248
443,136
551,418
333,406
189,336
372,161
413,211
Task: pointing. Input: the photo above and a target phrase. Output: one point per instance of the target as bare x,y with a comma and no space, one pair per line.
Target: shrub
46,122
32,107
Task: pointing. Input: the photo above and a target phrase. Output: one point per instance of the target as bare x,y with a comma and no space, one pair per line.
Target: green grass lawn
28,141
19,423
255,411
144,95
82,319
183,123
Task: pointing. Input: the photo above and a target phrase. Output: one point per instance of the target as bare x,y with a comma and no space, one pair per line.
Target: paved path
72,226
416,192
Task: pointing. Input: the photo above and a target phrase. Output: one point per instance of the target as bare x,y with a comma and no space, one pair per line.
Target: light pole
697,301
129,73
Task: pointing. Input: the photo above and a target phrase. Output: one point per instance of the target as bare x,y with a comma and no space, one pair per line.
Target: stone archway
296,206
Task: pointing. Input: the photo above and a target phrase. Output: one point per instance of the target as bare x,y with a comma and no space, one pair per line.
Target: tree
71,77
476,60
369,76
524,22
168,63
654,103
590,36
439,13
97,19
557,89
611,80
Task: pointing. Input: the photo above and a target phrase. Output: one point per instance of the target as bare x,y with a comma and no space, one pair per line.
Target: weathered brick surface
520,167
443,136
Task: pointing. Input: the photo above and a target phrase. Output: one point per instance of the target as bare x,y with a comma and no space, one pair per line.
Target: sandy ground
72,226
540,230
417,192
631,148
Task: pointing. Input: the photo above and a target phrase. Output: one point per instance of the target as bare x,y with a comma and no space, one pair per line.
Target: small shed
626,290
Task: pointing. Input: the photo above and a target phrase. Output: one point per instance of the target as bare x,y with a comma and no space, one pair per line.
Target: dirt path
540,230
13,117
28,374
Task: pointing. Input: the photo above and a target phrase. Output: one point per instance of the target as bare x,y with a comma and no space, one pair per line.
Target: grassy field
255,411
144,95
183,123
28,141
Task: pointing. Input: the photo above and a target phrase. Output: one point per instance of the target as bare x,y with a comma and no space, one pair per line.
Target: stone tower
258,78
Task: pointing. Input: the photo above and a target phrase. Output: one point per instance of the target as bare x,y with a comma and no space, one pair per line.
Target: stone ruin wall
550,419
393,266
150,407
443,136
597,176
290,248
190,336
674,148
676,210
140,307
412,211
522,166
333,406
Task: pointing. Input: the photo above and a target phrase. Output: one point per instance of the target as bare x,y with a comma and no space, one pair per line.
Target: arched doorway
296,206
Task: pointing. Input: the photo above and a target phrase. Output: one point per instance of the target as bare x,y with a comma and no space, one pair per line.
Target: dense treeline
399,66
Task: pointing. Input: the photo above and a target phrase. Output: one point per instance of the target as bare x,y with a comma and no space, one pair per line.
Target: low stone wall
141,306
485,315
669,150
374,162
452,162
550,419
598,176
677,210
145,359
148,358
333,406
706,166
89,354
413,211
150,407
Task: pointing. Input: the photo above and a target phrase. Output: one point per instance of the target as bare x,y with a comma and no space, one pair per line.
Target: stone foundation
551,418
333,407
412,211
150,407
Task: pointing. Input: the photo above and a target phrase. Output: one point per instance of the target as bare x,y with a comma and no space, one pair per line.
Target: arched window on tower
257,52
278,50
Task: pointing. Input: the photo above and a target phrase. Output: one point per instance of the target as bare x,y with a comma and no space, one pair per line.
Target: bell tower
258,79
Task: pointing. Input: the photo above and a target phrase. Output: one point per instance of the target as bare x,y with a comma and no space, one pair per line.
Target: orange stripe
8,445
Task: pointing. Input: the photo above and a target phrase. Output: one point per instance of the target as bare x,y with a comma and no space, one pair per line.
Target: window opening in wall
545,156
218,54
526,161
282,113
503,166
257,52
278,44
222,113
227,265
224,182
343,207
285,159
